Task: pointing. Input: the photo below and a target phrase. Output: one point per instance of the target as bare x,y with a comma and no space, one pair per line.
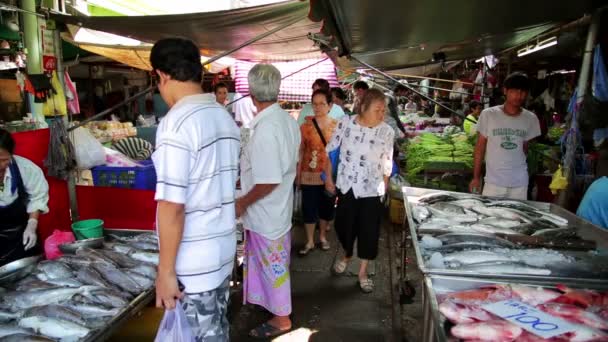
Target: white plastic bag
174,326
89,152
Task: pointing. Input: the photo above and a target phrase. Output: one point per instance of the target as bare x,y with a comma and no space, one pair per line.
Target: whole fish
144,245
147,270
10,329
91,310
149,257
575,314
505,268
25,337
33,283
64,282
54,270
533,295
556,233
452,238
475,257
485,228
104,297
54,328
436,197
90,276
420,213
460,246
141,280
6,315
123,248
459,218
459,313
448,207
55,311
120,259
95,255
513,204
500,222
468,203
118,278
25,300
496,330
509,214
555,219
76,262
486,294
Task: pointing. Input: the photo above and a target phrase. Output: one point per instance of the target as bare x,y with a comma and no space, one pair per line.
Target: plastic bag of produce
174,326
51,244
89,152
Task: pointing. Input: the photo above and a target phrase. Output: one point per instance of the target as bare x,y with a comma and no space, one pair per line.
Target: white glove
29,235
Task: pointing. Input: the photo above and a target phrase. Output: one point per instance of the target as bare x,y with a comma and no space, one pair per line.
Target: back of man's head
361,85
179,58
264,82
517,80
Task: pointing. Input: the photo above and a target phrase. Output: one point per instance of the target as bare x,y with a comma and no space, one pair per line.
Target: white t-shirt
196,161
34,183
270,157
243,109
506,164
366,157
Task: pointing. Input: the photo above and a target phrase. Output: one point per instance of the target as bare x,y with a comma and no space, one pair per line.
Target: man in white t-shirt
504,133
196,162
268,171
243,109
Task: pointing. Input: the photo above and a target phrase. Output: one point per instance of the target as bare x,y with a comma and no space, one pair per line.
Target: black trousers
358,219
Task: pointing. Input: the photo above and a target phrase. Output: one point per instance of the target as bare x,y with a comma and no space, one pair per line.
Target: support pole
583,80
31,31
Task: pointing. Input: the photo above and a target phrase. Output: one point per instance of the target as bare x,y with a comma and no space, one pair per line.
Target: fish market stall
457,234
83,296
466,309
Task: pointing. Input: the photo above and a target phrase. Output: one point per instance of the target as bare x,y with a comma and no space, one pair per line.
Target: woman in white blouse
366,152
23,197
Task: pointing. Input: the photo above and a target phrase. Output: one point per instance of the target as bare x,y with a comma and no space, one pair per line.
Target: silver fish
95,255
448,207
460,218
150,257
500,222
33,283
468,203
54,269
64,282
146,270
512,204
55,311
6,315
485,228
90,276
144,245
556,233
420,213
506,213
142,280
460,246
25,337
123,248
54,328
435,197
25,300
91,310
452,238
11,329
119,278
106,297
120,259
555,219
77,261
473,257
508,267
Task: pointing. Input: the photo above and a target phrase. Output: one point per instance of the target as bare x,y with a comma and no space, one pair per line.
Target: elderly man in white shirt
268,171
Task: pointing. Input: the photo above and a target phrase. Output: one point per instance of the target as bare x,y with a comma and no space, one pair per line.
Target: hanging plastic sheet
600,76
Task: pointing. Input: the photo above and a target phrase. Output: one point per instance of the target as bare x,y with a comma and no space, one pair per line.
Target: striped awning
297,87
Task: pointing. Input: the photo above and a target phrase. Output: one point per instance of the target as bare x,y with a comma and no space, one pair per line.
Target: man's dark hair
218,86
322,92
321,83
178,58
474,104
517,80
6,141
360,85
339,93
399,87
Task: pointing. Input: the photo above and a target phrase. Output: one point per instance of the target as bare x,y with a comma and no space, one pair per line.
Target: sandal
325,245
339,267
306,250
366,285
266,331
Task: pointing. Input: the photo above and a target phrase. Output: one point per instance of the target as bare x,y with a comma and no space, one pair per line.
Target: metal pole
252,40
572,142
412,89
31,32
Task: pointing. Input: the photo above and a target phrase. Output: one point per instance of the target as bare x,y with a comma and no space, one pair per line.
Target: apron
14,220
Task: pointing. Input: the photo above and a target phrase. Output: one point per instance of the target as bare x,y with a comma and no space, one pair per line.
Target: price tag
530,318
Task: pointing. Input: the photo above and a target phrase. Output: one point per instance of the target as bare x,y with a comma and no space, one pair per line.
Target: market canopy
215,32
392,34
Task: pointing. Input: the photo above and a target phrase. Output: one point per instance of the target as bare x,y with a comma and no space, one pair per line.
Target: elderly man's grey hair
264,82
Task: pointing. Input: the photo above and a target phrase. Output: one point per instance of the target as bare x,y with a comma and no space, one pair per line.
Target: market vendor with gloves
24,194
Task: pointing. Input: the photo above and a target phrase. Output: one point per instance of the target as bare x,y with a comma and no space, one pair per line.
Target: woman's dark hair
6,141
517,80
322,92
321,83
399,87
339,93
179,58
371,96
360,85
218,86
473,105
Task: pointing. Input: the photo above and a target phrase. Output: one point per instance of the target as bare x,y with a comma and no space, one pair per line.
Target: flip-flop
339,267
266,331
306,250
325,245
366,285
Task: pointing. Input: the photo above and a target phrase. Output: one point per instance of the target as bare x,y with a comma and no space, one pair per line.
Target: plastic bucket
88,229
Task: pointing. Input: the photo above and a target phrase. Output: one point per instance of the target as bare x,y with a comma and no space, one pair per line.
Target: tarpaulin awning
298,87
216,32
405,33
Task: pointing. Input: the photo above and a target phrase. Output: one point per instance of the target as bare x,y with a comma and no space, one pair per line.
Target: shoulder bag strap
318,129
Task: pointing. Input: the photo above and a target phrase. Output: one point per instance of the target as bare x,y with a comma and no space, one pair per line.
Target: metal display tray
434,324
586,230
134,307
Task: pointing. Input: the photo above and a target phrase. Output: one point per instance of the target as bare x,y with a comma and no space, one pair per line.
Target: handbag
333,155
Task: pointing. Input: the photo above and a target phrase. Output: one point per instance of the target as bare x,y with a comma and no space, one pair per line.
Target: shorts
316,204
518,193
207,313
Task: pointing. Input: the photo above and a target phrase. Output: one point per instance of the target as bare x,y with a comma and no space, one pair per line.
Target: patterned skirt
266,273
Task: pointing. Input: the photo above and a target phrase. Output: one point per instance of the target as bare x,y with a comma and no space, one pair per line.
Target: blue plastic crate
141,177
